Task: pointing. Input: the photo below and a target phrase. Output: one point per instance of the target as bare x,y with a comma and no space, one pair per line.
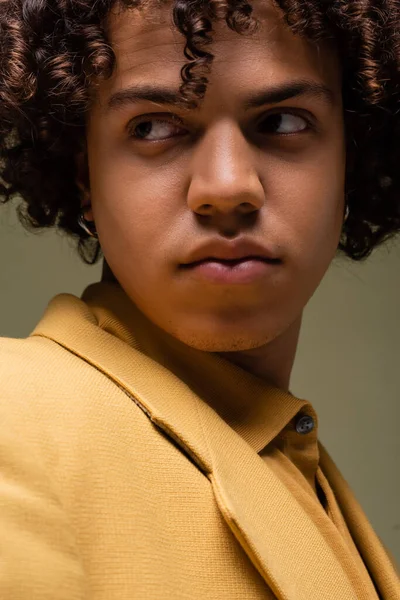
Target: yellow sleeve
38,555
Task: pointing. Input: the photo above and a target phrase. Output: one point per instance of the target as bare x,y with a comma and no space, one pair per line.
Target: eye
284,124
152,129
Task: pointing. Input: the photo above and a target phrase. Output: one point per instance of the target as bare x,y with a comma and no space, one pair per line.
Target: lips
224,251
231,262
248,270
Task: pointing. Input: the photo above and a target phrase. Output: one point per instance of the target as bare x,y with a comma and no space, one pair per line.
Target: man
151,446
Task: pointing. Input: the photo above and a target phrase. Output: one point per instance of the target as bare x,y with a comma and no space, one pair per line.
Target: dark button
305,424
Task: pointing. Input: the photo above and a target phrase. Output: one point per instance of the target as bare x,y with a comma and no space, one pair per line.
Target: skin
224,172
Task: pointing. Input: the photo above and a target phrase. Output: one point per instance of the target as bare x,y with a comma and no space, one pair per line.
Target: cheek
135,207
311,210
134,202
134,220
131,233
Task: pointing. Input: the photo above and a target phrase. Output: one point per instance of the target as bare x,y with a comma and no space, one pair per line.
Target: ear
82,181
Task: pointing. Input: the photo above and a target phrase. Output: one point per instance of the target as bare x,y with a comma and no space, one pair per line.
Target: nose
225,179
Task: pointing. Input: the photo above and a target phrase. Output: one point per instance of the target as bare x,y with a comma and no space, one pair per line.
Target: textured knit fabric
303,452
135,467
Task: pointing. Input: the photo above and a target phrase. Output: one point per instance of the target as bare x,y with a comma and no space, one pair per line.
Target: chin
224,341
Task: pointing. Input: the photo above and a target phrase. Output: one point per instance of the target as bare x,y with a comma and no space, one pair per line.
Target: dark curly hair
52,52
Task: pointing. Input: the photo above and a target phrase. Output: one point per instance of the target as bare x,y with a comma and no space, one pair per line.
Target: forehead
149,48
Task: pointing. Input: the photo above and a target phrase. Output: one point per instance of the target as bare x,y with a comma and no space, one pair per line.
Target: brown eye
153,130
284,124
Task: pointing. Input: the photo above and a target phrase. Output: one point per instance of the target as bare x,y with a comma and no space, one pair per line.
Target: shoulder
47,388
25,364
36,366
35,374
57,410
16,353
32,518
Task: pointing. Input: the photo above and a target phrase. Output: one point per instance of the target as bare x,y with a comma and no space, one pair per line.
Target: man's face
164,180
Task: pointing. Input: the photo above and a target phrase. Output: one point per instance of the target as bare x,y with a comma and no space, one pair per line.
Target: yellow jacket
118,481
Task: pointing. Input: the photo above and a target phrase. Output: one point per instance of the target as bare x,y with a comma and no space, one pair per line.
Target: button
305,424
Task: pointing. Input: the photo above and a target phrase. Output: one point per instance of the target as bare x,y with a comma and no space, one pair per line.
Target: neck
107,274
272,362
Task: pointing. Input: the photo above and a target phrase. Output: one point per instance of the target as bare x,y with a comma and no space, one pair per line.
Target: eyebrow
171,97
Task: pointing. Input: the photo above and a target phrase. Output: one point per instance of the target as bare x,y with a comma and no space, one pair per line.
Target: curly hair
52,52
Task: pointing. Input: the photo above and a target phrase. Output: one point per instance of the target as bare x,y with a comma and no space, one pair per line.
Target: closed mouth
233,262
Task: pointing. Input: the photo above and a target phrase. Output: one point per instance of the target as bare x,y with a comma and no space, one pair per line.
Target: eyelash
175,120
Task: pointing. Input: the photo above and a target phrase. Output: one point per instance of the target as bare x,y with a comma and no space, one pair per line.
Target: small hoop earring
346,216
87,226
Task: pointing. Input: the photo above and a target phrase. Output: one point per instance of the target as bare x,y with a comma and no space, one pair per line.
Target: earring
346,216
87,226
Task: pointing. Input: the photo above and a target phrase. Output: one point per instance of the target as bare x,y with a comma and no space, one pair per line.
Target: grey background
347,363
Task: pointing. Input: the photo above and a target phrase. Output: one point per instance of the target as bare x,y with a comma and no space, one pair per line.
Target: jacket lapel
287,537
374,554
